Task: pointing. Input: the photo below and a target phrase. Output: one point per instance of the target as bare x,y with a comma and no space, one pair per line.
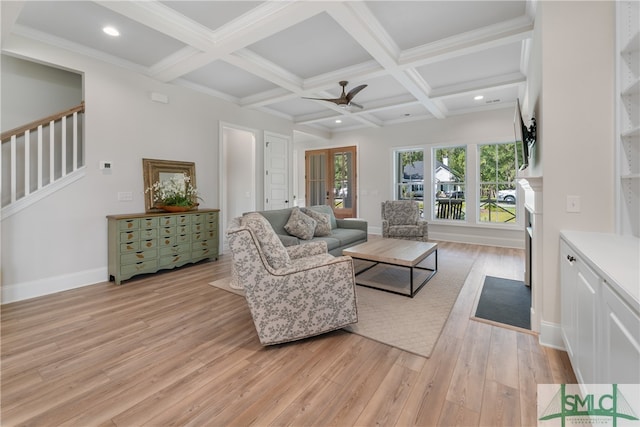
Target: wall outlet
573,204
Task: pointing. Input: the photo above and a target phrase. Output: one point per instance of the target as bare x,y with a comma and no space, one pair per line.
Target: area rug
410,324
505,301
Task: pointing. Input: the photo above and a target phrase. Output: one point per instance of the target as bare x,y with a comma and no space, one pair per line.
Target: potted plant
175,194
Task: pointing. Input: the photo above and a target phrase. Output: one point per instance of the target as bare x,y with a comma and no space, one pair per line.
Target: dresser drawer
175,260
151,222
182,229
175,249
183,238
148,266
139,256
148,233
201,253
167,220
129,247
183,219
129,224
196,228
130,236
167,231
148,244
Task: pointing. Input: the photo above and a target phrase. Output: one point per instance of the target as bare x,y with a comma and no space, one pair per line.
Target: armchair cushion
323,222
300,225
273,249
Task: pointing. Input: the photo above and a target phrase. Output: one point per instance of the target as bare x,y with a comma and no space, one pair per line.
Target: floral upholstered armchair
401,220
293,292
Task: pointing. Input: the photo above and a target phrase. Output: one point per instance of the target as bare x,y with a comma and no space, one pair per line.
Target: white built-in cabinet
600,306
628,116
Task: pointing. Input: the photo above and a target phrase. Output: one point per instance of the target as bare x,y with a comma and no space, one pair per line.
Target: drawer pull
571,258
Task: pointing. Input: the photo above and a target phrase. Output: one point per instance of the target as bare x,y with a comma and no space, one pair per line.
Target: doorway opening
237,173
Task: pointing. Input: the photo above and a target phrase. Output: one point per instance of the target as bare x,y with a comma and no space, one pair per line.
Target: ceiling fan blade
355,105
353,92
336,100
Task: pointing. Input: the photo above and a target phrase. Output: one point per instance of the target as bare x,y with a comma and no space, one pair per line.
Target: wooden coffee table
396,252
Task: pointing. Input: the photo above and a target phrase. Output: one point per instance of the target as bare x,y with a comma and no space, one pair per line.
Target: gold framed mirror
154,170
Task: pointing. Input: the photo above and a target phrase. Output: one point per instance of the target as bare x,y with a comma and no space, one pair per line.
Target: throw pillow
273,249
325,209
300,225
323,222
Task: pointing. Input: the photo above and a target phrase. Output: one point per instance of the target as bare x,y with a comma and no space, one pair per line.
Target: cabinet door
620,341
587,289
568,278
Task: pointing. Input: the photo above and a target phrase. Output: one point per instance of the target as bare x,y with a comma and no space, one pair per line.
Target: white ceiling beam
491,36
499,82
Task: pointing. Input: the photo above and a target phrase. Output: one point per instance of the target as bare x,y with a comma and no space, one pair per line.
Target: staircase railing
37,154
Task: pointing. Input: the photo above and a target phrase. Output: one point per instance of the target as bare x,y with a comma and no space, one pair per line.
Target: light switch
573,204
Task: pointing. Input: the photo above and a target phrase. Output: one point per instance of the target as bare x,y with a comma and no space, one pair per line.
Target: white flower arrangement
176,191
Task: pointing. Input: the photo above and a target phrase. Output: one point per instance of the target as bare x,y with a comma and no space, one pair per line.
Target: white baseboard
37,288
551,335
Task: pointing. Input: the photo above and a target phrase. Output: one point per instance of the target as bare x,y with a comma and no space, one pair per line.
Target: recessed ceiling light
478,97
338,121
112,31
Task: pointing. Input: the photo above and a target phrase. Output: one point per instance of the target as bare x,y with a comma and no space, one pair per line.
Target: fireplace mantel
532,187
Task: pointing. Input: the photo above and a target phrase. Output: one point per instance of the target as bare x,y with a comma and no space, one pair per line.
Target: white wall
575,127
375,167
24,82
61,242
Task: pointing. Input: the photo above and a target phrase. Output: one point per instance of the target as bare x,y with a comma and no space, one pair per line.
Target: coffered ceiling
420,59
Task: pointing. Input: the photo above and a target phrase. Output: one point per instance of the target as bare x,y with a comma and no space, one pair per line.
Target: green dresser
146,243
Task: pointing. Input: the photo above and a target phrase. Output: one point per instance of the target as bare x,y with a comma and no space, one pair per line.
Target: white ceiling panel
315,46
82,22
228,79
415,23
212,14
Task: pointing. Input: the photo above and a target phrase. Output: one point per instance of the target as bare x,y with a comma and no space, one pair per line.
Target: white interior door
276,170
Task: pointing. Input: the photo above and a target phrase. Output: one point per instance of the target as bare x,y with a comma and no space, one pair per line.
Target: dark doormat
505,301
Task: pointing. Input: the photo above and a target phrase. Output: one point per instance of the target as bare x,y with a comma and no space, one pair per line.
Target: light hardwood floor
168,349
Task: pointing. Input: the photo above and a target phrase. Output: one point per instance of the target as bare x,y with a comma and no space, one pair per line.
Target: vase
176,208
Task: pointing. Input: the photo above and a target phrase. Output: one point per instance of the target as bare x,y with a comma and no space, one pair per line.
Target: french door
330,179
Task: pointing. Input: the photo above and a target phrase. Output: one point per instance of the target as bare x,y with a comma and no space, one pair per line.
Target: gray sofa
344,232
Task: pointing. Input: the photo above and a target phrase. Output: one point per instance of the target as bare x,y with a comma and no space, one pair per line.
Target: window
497,171
409,176
449,178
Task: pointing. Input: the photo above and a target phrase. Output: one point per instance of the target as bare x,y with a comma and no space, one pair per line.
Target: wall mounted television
525,137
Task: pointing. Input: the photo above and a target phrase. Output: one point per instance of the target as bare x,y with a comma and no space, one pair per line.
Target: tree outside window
449,177
497,184
410,175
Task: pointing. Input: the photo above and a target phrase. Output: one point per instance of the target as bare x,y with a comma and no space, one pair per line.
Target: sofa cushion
348,236
326,209
323,222
272,248
300,225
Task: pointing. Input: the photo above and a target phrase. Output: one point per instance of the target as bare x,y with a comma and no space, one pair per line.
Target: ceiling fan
346,98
